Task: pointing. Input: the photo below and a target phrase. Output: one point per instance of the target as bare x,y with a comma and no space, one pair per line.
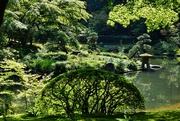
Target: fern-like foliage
28,17
13,81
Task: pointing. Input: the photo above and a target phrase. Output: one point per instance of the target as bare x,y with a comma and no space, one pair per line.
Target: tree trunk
2,9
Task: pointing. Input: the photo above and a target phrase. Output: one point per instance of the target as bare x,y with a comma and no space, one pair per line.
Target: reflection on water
160,88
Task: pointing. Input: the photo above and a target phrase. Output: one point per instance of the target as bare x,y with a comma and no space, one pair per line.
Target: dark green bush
168,48
132,65
121,66
52,46
60,67
44,66
90,91
124,65
3,39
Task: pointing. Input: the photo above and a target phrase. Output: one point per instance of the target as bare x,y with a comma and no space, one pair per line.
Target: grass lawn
142,116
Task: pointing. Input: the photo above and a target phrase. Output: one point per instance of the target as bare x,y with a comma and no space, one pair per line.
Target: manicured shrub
90,91
44,66
53,55
60,67
121,56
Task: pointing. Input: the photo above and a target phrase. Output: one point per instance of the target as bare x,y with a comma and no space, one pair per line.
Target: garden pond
160,88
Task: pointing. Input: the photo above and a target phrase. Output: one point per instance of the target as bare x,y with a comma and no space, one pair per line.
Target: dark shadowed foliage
2,9
90,91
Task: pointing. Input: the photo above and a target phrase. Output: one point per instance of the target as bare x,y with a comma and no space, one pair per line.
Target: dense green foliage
90,91
49,47
157,14
27,19
14,81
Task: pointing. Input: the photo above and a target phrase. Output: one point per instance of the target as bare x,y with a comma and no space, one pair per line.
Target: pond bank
166,108
160,88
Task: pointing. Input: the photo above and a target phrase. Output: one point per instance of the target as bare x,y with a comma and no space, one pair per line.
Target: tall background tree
160,17
2,9
26,19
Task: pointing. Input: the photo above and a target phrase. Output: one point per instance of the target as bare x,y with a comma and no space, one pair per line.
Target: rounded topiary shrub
90,91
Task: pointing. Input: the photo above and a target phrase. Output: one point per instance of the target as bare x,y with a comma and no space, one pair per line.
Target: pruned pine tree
141,46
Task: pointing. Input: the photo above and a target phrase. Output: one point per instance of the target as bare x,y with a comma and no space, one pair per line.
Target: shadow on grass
140,116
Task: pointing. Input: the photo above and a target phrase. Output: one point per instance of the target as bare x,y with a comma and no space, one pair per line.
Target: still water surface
160,88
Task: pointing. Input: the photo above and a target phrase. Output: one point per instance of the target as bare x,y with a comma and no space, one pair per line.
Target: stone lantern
145,61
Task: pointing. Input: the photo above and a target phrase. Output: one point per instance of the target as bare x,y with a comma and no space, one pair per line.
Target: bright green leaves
72,11
122,15
16,84
11,68
12,22
178,1
157,16
24,19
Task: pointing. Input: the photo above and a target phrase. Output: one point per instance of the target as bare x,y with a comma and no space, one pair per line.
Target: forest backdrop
49,46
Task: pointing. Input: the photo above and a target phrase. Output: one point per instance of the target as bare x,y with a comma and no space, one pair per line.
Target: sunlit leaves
178,1
121,14
72,11
19,25
10,68
157,18
28,17
12,21
63,11
16,82
156,15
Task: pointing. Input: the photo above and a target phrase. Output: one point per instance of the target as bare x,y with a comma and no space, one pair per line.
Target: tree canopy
156,13
25,19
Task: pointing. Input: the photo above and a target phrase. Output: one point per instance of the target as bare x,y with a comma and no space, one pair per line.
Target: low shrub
113,55
124,65
60,67
9,53
90,91
53,55
44,66
132,65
